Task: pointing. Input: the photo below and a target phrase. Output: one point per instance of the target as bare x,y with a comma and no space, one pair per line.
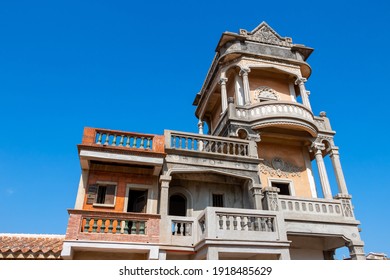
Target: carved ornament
279,167
265,34
265,93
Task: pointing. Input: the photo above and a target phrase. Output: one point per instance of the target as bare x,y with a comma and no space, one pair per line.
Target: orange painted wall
122,179
291,154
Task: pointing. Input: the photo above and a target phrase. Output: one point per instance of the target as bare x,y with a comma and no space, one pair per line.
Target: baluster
128,142
220,221
234,149
142,142
227,222
270,226
228,148
133,227
187,229
262,223
86,227
121,140
114,141
141,227
192,144
256,224
249,223
148,143
174,228
126,229
99,140
103,226
118,227
106,142
180,142
110,225
234,222
134,142
242,223
94,226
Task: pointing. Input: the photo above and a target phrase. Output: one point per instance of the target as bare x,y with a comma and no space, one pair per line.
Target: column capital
334,152
317,147
244,71
165,180
300,81
223,81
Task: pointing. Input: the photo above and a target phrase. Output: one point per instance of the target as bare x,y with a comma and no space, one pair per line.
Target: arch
177,205
184,193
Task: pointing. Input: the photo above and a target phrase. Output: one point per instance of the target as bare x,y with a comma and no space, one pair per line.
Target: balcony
121,147
191,143
226,224
113,227
316,209
276,113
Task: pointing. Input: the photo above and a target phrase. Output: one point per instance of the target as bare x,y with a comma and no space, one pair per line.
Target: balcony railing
113,226
318,207
123,140
226,224
200,143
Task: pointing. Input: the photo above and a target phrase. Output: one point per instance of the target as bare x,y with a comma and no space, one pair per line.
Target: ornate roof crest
265,34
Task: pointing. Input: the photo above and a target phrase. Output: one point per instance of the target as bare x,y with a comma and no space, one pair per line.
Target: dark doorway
137,201
284,187
177,205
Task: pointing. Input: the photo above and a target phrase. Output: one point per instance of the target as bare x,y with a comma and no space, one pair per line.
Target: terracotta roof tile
30,246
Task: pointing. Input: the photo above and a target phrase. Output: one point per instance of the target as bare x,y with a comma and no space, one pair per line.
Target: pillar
356,250
305,98
244,73
255,189
164,195
338,171
224,104
200,126
82,189
322,171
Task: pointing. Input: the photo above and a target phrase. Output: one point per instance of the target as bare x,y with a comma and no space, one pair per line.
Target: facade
243,190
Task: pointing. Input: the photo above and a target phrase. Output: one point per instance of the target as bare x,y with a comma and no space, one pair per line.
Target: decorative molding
265,34
279,167
266,93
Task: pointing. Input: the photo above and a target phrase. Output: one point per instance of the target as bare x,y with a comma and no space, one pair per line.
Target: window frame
105,184
283,181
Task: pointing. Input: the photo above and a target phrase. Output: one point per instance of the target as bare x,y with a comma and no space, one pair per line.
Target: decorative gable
265,34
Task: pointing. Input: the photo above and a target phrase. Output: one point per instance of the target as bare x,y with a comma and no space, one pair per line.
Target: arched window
177,205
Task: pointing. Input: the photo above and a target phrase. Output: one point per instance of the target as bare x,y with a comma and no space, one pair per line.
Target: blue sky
137,67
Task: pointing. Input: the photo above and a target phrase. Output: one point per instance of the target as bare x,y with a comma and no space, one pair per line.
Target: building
243,190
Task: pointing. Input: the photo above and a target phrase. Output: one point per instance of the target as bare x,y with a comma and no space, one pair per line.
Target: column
305,98
356,250
322,171
164,197
244,73
223,82
82,189
255,189
200,126
338,171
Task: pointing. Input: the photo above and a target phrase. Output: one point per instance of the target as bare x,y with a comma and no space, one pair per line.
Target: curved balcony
280,114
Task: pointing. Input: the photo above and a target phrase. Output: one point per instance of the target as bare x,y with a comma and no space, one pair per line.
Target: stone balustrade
276,108
320,207
112,226
123,140
209,144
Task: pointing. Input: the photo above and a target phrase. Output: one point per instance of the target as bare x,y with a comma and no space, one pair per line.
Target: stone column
223,82
356,250
200,126
255,190
338,171
271,201
322,171
305,98
244,73
164,196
